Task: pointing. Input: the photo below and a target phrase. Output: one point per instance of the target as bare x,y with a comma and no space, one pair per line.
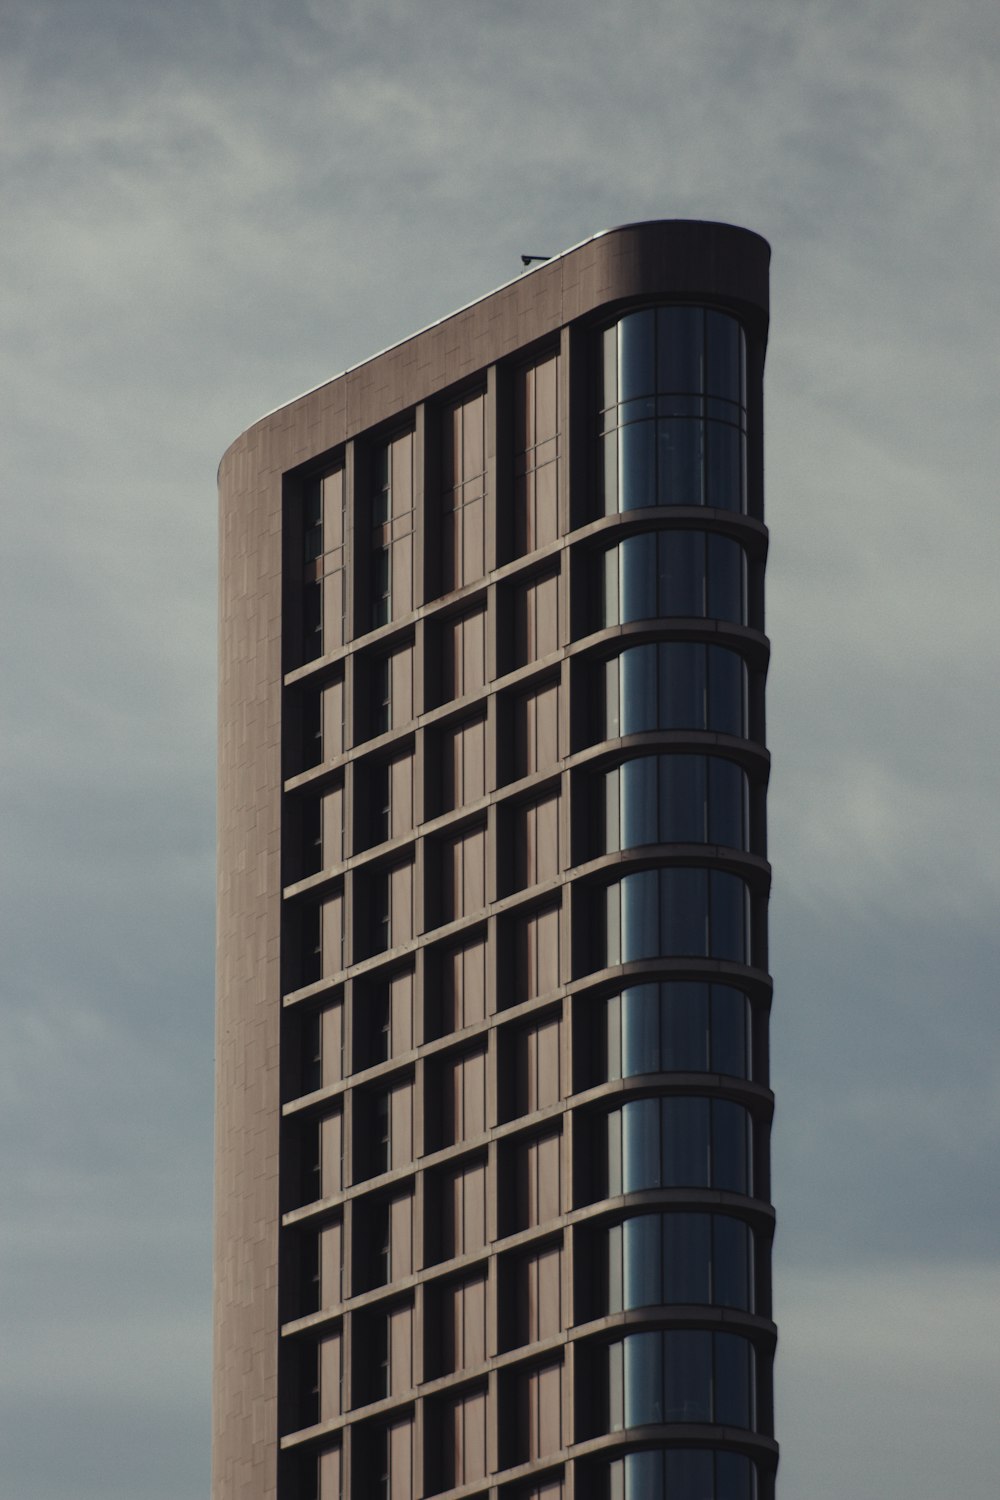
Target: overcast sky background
212,205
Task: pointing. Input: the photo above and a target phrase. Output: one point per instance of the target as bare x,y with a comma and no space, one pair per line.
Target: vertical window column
391,511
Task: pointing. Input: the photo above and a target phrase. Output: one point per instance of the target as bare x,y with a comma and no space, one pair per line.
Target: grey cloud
214,207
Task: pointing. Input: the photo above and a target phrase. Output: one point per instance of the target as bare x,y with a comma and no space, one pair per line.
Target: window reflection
681,1474
682,1141
675,799
677,1026
673,429
675,912
675,685
664,574
656,1260
682,1375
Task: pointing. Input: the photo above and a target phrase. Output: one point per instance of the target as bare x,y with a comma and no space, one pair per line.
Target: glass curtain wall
672,435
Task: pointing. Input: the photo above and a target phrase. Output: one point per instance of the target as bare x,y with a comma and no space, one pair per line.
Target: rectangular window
384,1129
463,986
463,874
391,916
536,730
539,1402
538,1066
463,1325
396,1015
383,1461
462,1097
463,655
463,1217
536,954
538,1179
463,503
323,571
536,456
539,1295
464,1446
392,526
383,1245
385,691
463,763
536,619
536,841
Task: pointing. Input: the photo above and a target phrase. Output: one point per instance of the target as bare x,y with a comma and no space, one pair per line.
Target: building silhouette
493,1202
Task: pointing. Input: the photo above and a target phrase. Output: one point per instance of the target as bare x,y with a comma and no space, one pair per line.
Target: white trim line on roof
527,271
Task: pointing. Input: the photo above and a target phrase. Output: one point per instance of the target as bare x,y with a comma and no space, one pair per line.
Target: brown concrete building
493,1213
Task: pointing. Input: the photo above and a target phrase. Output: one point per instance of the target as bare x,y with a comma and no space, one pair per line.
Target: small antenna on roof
527,259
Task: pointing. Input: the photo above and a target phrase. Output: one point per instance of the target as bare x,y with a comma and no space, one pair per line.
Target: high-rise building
493,1198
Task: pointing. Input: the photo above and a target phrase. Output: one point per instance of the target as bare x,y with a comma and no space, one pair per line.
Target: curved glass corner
673,410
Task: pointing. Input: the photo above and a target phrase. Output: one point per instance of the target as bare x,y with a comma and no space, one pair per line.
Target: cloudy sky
212,205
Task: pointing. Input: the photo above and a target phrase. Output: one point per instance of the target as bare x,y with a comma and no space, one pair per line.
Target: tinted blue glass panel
643,1262
726,691
726,573
640,1021
724,474
688,1376
673,573
682,573
683,794
728,917
731,1262
735,1477
639,822
687,1252
616,1387
636,355
688,1475
640,928
638,689
684,926
685,1015
681,1474
730,1147
733,1388
727,792
730,1029
686,1154
680,1258
638,577
682,685
637,466
644,1380
680,447
644,1475
723,341
681,349
641,1145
